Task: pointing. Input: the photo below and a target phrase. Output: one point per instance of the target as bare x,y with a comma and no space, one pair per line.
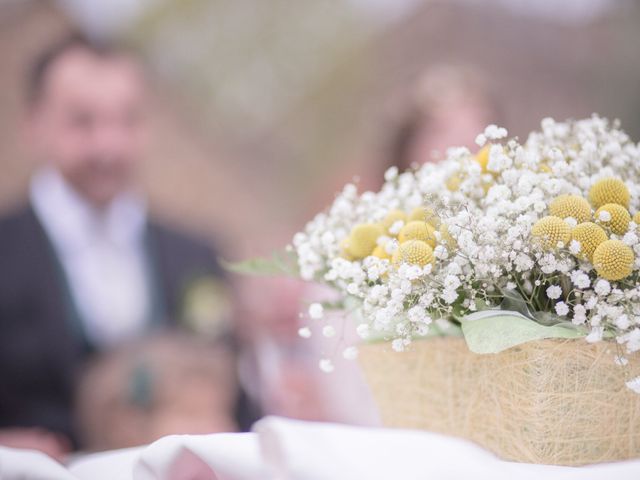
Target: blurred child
169,384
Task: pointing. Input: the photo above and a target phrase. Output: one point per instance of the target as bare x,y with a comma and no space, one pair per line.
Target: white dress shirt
102,254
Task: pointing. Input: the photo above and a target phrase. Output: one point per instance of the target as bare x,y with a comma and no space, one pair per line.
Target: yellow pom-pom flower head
613,260
614,217
414,252
424,214
453,183
590,236
544,168
636,218
574,206
392,217
363,239
609,190
482,157
550,232
446,238
381,252
344,249
418,230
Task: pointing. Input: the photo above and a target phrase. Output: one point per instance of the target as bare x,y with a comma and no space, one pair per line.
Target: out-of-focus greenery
277,79
286,85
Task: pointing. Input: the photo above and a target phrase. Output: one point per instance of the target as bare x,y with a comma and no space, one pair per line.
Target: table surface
283,449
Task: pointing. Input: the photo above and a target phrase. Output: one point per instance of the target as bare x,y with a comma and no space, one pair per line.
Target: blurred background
263,109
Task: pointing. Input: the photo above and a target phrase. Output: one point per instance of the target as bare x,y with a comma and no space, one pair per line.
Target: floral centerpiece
498,293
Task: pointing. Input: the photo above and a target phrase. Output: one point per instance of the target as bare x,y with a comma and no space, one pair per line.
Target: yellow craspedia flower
392,217
453,183
544,168
636,218
482,157
446,237
550,231
486,185
618,218
424,214
613,260
418,230
344,249
609,190
381,252
574,206
415,252
590,236
363,239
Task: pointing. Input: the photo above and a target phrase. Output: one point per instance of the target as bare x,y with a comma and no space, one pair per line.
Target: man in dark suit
82,267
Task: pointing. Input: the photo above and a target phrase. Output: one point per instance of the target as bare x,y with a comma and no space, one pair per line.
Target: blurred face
90,122
457,125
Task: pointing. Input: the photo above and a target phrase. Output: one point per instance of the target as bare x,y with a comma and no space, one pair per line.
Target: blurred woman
448,106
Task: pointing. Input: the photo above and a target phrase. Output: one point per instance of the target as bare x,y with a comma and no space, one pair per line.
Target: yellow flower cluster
482,159
415,252
590,236
417,237
609,190
612,259
551,232
573,206
619,218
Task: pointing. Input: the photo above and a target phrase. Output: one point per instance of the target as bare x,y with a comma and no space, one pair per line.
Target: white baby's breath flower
494,132
396,227
316,311
621,361
575,247
595,335
580,279
571,221
328,331
350,353
579,315
398,345
326,365
602,287
304,332
630,238
391,174
554,292
622,322
363,331
562,309
634,384
440,252
604,216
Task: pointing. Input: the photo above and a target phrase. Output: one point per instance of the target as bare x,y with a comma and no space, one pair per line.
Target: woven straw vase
561,402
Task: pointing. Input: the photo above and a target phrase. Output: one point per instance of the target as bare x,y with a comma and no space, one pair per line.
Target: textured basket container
561,402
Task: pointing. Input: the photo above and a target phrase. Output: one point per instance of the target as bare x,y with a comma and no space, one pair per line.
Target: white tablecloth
281,449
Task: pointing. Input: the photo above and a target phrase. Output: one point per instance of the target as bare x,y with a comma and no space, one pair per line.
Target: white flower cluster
487,205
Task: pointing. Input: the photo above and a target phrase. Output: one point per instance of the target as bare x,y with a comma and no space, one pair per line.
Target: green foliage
493,331
280,263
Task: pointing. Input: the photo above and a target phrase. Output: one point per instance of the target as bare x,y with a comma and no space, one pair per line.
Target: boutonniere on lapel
206,306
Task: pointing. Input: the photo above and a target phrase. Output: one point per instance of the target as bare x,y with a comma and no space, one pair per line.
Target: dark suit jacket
42,347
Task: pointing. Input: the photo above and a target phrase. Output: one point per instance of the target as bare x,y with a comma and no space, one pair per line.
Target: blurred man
82,268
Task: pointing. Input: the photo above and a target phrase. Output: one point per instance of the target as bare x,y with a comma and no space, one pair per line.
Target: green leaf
280,263
493,331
